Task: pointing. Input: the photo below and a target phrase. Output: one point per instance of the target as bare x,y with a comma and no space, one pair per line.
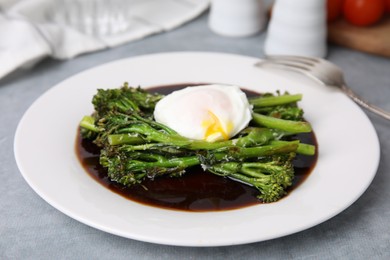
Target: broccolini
135,147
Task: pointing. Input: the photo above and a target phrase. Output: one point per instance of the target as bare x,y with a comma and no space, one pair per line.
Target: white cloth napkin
27,35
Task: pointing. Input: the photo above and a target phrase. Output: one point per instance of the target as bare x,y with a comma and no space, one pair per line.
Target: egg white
206,112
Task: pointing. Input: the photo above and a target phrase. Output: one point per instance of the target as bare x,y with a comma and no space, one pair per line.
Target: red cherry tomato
334,9
363,12
387,3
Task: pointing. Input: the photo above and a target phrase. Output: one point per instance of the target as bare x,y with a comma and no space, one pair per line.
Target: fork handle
374,109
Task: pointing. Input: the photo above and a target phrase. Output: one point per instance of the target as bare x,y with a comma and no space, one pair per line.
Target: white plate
45,153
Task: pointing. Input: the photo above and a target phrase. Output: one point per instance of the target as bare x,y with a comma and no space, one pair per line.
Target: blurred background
32,30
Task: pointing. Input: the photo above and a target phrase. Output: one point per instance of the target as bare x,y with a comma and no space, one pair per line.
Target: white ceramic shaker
297,27
237,18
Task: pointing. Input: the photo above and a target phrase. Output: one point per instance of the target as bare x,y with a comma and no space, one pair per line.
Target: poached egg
205,112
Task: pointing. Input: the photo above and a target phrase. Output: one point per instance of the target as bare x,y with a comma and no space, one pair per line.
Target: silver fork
323,72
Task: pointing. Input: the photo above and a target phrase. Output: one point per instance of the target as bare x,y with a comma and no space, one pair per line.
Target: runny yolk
214,129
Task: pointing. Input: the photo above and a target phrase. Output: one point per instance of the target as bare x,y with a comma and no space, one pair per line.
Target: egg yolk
214,128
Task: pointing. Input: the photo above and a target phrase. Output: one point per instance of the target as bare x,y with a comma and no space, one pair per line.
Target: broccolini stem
88,122
163,162
138,161
295,127
304,149
226,153
253,137
259,151
266,101
117,139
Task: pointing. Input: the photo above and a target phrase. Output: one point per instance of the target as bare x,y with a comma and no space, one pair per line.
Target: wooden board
373,39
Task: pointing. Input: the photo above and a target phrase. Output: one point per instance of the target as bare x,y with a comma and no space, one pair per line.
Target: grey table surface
32,229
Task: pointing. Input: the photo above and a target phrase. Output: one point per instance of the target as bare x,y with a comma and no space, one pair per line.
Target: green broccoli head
131,168
125,99
271,175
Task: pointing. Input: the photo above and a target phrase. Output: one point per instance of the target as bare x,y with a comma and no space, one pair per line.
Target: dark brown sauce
196,190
